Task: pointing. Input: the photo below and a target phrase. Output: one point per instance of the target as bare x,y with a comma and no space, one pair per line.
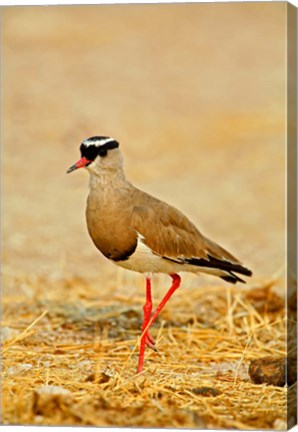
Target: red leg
176,283
150,341
147,311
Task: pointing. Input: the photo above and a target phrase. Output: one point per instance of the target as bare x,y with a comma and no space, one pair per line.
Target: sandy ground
195,95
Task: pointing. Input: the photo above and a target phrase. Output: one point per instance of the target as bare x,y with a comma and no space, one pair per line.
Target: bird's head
96,152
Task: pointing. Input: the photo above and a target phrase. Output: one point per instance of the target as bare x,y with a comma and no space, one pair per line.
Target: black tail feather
212,262
215,263
231,277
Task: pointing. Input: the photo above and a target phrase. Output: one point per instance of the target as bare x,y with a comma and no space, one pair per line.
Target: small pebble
280,424
7,333
48,399
84,364
103,377
206,391
268,370
52,390
19,369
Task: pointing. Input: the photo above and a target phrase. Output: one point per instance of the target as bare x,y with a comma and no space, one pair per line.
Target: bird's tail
228,268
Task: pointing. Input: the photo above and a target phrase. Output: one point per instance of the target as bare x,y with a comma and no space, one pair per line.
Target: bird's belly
147,262
144,260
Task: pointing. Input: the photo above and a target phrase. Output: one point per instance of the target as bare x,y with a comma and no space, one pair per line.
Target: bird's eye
102,152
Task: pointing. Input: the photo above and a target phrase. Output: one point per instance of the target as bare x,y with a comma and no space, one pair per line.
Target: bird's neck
106,177
108,186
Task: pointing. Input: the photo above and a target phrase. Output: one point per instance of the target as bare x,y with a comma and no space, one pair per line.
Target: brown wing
171,235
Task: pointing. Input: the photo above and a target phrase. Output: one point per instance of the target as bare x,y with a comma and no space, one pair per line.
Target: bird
141,233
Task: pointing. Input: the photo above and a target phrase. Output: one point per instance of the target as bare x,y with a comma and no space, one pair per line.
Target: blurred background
195,93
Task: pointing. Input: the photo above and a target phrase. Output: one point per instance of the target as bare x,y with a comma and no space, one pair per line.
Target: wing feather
171,235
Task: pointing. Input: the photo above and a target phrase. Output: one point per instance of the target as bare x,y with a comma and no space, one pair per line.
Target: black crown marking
92,147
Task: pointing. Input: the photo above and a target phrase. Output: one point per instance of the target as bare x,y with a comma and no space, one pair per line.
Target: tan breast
109,226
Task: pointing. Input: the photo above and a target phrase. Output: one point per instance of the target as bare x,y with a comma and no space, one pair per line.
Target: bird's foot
150,342
151,345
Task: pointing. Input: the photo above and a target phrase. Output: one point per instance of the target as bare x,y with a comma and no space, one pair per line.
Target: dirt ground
195,94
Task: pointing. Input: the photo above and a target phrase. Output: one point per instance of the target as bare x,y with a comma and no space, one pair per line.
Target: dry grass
206,338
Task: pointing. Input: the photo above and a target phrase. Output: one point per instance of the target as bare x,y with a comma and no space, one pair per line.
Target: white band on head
97,143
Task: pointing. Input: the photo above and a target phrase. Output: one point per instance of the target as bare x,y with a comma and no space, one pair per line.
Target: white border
97,2
110,429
